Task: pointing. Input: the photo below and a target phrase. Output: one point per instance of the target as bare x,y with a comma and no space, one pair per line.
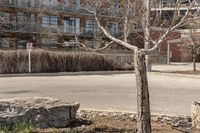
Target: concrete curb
92,73
175,74
65,74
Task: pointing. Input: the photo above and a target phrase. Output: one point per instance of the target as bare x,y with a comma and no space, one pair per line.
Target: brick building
174,44
49,22
171,46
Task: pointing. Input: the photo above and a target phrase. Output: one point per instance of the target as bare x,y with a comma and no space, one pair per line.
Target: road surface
170,95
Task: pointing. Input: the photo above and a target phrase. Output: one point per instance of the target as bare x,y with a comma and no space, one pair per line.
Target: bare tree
195,48
130,14
133,16
192,43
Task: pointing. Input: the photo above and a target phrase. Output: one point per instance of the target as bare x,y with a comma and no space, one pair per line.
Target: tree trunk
148,63
146,26
194,63
143,104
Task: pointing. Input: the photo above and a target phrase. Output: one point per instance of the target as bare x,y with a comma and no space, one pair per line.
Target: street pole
29,61
29,47
168,54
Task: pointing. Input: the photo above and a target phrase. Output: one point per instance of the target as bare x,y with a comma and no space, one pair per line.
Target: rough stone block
196,115
44,112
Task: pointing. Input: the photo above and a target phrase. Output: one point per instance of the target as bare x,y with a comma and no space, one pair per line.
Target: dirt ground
114,124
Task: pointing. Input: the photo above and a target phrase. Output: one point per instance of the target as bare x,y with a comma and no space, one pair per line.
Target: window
91,27
72,25
4,17
32,22
31,3
21,2
32,18
50,3
112,27
77,4
4,21
22,17
49,21
25,21
165,2
4,42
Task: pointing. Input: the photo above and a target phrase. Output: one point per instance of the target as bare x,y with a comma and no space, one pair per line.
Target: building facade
166,10
49,23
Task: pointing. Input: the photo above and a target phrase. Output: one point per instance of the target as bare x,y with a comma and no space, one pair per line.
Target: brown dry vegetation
57,61
104,123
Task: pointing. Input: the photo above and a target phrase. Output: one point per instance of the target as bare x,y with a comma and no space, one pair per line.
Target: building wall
178,53
44,21
40,26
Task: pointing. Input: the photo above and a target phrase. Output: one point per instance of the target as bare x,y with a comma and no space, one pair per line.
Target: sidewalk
176,69
157,69
174,66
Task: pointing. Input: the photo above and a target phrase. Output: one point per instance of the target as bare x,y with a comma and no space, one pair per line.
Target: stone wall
43,112
196,115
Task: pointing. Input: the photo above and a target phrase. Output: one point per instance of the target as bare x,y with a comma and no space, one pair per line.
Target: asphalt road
170,95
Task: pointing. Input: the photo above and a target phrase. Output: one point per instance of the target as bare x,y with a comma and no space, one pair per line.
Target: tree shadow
19,91
87,126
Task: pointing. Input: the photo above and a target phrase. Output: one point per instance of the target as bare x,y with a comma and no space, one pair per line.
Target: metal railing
60,7
172,4
17,27
56,6
13,26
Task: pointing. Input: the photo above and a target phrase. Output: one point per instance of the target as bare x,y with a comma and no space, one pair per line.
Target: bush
56,61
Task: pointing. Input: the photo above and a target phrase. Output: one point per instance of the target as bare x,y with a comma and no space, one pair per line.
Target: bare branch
86,47
107,34
168,30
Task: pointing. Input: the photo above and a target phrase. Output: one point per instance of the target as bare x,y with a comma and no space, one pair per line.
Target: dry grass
55,61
